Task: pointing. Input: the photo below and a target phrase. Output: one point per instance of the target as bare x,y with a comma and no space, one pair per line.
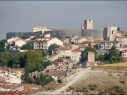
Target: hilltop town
64,59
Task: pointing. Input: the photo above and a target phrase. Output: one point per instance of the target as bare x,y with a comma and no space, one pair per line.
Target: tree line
111,57
32,60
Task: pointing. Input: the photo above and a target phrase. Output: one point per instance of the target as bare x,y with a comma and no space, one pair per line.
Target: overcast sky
21,16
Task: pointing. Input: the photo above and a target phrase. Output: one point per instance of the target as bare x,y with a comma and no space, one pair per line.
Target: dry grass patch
116,66
52,86
101,78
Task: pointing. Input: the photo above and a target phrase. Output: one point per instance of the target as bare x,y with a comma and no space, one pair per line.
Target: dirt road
75,79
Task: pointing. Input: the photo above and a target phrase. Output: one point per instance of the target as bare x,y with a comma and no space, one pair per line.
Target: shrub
101,93
92,87
78,90
122,82
71,88
50,88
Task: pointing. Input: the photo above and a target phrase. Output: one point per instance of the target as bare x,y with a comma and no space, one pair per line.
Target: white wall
64,53
124,54
40,28
79,40
13,39
123,41
20,43
76,56
14,80
54,41
53,58
109,32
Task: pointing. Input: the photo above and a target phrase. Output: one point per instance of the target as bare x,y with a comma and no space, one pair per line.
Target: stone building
90,59
88,24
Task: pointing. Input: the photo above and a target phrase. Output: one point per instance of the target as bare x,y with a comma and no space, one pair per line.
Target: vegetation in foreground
31,60
115,90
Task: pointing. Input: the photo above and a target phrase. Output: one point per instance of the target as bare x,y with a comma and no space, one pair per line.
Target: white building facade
13,42
40,28
79,40
44,43
110,33
76,55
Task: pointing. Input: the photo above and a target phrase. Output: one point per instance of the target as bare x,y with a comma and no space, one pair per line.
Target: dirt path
75,79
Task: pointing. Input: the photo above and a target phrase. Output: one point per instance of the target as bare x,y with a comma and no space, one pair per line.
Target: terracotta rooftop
100,41
62,39
14,93
55,63
85,42
4,68
76,50
27,87
17,69
69,45
45,39
78,38
124,50
38,40
63,48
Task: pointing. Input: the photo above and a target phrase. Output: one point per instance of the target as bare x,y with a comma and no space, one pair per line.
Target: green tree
38,81
100,57
6,59
51,47
33,58
19,60
43,53
113,52
22,59
27,47
15,65
112,56
106,57
87,49
68,37
16,59
2,44
121,59
37,35
47,79
45,64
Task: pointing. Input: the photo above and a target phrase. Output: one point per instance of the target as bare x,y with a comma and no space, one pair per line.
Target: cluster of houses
69,53
10,82
74,46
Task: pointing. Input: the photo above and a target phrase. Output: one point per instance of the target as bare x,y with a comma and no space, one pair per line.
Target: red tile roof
17,69
124,50
76,50
85,42
14,92
69,45
62,39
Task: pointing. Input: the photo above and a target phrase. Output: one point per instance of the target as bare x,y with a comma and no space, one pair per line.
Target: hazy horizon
21,16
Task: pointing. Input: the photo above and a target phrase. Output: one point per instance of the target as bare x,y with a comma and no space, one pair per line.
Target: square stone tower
90,59
91,56
88,24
